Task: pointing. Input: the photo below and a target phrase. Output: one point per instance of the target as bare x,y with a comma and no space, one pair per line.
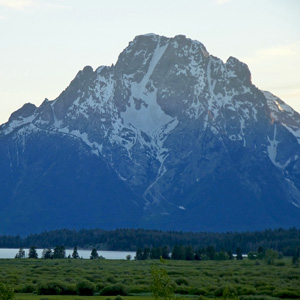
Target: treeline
185,253
59,252
286,241
208,253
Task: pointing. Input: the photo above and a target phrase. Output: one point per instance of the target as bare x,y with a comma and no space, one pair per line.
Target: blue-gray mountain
168,138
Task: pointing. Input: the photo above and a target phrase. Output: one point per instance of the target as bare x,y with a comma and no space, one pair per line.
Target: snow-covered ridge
120,109
283,113
14,124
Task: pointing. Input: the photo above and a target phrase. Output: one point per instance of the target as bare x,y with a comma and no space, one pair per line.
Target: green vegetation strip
230,279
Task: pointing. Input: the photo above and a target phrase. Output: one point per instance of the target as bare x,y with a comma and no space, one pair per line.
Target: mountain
170,138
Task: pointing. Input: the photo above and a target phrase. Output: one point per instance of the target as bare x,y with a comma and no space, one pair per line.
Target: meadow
36,279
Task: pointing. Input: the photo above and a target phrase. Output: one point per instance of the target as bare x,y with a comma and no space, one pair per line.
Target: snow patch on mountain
14,124
284,114
272,148
143,114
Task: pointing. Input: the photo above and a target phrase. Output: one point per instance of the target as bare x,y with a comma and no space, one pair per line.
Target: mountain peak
239,69
170,137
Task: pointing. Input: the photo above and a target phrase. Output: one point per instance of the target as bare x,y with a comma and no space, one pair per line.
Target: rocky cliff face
169,138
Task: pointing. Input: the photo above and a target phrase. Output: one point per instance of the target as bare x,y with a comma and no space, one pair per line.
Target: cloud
17,4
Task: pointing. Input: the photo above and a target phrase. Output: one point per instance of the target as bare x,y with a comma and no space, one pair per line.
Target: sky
44,43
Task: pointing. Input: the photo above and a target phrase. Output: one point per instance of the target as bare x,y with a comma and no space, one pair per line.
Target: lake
6,253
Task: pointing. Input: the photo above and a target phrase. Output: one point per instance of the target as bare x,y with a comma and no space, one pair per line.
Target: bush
244,290
203,298
181,281
258,297
51,288
114,290
137,289
6,292
85,288
227,289
283,294
270,256
28,288
182,290
70,290
198,291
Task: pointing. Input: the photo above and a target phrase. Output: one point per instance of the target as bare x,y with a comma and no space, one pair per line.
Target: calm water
11,253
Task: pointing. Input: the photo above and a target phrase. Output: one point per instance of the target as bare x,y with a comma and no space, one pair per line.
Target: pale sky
44,43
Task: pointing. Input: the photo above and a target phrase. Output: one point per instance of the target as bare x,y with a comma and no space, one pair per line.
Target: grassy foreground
70,297
249,280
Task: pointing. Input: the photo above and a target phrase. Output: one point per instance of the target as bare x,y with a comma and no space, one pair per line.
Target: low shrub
258,297
111,279
203,298
181,281
114,290
138,289
99,286
244,290
264,292
28,288
219,292
85,288
70,289
286,294
51,288
183,290
198,291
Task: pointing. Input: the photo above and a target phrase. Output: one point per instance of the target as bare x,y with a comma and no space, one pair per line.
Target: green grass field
191,279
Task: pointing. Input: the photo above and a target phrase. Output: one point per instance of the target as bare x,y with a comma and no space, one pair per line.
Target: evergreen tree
260,252
189,253
210,252
165,252
32,252
155,253
75,253
59,252
94,254
47,254
146,253
239,255
230,255
21,253
178,253
139,254
198,254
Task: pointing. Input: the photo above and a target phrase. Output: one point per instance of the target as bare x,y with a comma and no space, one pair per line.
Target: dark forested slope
285,241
